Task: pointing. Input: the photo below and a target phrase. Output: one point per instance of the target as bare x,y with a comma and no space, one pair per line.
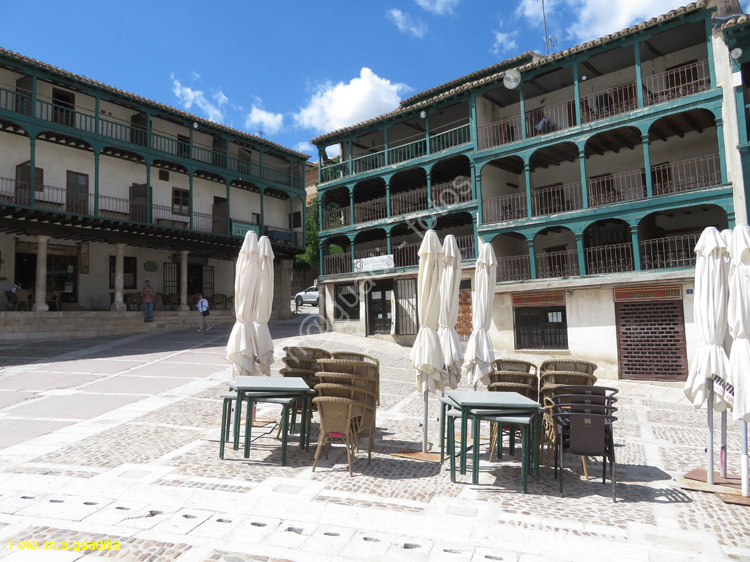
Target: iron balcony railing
686,175
334,264
91,123
371,210
608,102
504,208
450,138
676,83
668,252
612,258
407,151
557,199
336,218
466,246
513,268
406,254
370,252
501,132
557,264
369,162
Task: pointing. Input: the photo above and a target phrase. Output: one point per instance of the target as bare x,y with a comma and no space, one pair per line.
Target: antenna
260,133
547,38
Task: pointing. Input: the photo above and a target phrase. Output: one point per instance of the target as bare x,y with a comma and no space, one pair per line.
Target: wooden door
77,193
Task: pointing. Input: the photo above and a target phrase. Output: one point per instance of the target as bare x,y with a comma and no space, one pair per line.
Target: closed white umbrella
426,355
241,345
710,363
479,353
263,306
738,315
450,343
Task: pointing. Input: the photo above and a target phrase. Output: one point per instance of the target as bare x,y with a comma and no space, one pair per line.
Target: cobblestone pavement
109,449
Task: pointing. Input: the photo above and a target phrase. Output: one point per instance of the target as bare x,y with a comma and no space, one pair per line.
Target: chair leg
443,406
585,468
285,432
224,425
559,448
321,441
524,457
475,452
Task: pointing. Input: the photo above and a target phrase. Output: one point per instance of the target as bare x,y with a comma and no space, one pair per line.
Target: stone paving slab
146,472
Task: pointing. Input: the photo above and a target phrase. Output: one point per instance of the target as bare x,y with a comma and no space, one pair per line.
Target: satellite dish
512,79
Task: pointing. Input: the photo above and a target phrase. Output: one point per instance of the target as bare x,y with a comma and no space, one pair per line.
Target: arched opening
556,253
405,241
503,190
298,222
337,257
555,179
451,181
608,247
369,200
335,208
684,152
276,211
614,167
370,243
461,225
667,238
512,252
408,192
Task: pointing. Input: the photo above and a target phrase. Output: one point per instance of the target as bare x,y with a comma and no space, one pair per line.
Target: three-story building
592,172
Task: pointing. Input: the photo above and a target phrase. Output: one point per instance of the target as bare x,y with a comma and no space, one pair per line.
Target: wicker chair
363,426
512,371
338,419
369,367
303,362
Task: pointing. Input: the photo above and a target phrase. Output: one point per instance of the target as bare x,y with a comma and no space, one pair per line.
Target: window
129,280
183,146
540,327
346,302
180,201
63,104
297,219
256,218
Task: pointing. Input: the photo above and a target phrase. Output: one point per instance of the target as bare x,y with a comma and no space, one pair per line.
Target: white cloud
269,122
334,106
438,6
405,24
306,147
594,18
504,43
187,96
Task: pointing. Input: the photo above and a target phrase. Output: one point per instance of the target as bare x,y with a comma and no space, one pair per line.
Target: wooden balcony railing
557,264
504,208
550,118
614,188
448,139
407,151
671,251
557,199
370,252
336,218
368,162
513,268
409,202
452,192
334,264
613,258
501,132
608,102
466,246
686,175
371,210
127,133
406,254
676,83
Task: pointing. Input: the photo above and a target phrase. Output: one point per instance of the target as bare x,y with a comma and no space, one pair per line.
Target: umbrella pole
723,459
710,448
424,422
744,468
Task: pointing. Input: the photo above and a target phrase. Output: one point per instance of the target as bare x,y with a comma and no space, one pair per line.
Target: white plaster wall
495,180
694,144
161,191
276,211
117,113
8,79
204,192
16,150
660,64
591,328
117,175
566,172
354,327
168,129
243,204
543,241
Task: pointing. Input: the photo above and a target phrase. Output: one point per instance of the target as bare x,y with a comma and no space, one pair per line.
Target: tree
311,258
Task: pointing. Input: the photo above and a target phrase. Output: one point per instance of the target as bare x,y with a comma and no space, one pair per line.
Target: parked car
308,296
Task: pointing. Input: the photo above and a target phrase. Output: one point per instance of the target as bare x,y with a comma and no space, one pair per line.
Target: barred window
129,279
540,327
346,301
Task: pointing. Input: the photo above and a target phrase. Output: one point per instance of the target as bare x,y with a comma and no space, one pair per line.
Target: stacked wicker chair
303,362
358,380
354,356
553,374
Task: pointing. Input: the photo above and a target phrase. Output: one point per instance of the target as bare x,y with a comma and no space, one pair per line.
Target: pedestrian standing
202,313
148,302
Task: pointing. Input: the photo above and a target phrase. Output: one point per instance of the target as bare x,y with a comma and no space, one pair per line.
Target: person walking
148,302
202,313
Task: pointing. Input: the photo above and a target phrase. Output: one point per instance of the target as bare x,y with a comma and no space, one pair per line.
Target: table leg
525,457
452,447
443,406
285,430
303,424
475,451
537,441
237,418
248,426
464,421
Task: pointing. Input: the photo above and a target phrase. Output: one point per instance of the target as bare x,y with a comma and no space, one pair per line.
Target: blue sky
292,70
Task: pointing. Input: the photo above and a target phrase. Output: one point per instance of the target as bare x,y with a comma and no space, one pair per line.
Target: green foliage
311,258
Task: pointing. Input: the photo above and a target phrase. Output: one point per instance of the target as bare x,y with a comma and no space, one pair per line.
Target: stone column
183,280
118,305
40,289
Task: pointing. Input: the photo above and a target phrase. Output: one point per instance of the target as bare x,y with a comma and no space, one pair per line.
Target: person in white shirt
17,286
202,313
